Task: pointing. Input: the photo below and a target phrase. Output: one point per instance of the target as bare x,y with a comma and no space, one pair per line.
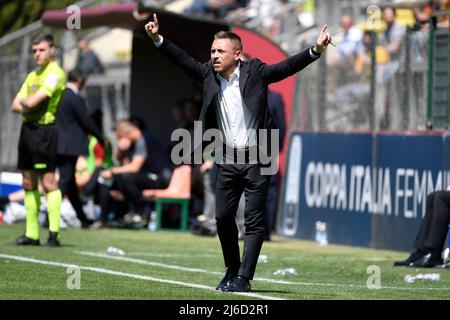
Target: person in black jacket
88,62
73,125
235,103
430,239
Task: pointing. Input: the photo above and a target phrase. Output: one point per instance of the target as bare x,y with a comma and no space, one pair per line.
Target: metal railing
438,110
382,96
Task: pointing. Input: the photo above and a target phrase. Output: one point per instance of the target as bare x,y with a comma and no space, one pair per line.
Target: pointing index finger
155,18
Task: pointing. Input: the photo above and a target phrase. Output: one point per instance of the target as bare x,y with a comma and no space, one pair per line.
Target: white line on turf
170,266
170,255
130,275
145,262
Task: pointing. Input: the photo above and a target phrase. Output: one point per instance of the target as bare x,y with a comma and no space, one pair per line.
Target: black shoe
53,240
200,230
416,255
133,218
86,224
443,266
429,260
227,279
25,241
240,284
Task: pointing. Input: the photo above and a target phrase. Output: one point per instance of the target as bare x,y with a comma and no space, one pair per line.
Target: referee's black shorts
37,147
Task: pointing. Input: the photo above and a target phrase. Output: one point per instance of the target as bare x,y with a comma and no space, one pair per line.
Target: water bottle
152,223
286,271
429,276
89,209
106,182
318,236
321,233
115,251
324,235
262,258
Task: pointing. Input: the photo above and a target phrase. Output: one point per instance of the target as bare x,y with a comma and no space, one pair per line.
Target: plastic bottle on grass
152,221
427,277
321,233
115,251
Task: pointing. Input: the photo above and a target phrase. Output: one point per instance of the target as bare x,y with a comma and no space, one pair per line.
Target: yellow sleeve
52,83
23,92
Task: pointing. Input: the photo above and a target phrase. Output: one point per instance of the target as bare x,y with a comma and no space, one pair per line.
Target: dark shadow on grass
272,240
271,291
63,245
42,245
12,243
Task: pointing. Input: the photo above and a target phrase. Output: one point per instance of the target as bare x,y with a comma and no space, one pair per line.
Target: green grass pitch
172,265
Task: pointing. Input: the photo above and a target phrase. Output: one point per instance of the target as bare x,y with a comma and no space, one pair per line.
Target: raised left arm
277,72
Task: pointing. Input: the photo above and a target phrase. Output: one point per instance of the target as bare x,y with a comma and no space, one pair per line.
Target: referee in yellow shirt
37,101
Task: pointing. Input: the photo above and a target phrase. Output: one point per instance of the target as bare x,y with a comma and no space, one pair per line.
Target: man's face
128,132
389,15
346,23
224,55
42,53
83,44
122,131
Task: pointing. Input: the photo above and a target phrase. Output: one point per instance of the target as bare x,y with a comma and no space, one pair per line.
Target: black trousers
131,186
68,186
434,227
271,205
232,180
91,187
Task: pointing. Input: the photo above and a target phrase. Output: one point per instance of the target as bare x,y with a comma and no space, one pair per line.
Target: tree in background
15,14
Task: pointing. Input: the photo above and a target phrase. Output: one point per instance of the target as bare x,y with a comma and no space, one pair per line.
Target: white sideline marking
148,263
169,266
130,275
170,255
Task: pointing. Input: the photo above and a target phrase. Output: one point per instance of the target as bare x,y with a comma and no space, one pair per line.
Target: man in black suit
235,103
73,125
430,239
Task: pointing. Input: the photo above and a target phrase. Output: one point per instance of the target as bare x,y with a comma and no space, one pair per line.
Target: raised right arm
175,54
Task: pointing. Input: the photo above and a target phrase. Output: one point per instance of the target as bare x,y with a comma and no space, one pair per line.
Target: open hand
106,174
124,144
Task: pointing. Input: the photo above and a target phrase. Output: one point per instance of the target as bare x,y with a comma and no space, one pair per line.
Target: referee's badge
52,81
33,88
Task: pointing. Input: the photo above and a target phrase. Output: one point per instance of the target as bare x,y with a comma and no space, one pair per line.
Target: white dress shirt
73,88
233,117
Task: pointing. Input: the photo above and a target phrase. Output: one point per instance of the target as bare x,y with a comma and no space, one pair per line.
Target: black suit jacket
276,109
73,125
255,76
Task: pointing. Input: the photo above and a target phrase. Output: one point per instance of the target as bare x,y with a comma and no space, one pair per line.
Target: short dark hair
394,9
75,75
138,122
124,123
245,57
230,35
47,37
